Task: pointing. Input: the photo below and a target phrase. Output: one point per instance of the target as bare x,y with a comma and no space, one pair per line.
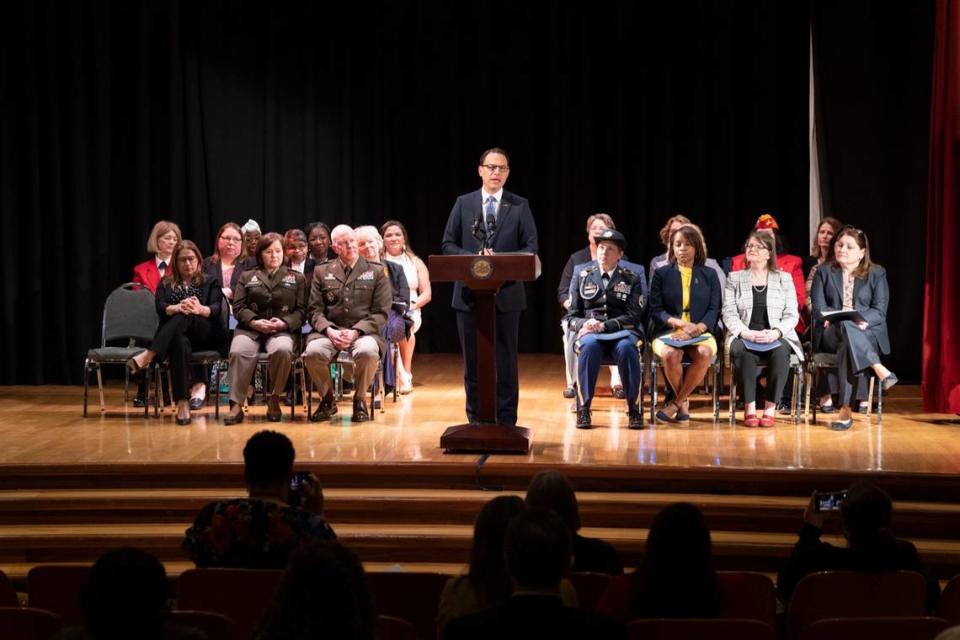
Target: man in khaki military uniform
269,303
349,301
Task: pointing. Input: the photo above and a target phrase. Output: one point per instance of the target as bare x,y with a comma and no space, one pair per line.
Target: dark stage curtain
941,341
116,114
873,71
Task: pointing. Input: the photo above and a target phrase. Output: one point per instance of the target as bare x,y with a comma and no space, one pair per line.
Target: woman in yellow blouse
684,307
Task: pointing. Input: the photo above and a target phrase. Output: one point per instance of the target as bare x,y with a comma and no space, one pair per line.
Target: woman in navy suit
851,282
684,305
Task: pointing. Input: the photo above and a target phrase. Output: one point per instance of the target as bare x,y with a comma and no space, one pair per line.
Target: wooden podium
484,275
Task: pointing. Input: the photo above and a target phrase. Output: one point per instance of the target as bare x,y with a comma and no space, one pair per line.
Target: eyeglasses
231,239
494,168
756,247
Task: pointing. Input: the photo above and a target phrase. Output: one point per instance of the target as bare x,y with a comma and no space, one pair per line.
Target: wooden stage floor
43,426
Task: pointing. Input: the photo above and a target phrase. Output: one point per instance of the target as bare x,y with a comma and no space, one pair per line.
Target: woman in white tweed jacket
759,310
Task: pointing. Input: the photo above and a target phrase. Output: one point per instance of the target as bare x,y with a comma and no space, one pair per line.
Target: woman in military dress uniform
606,307
269,303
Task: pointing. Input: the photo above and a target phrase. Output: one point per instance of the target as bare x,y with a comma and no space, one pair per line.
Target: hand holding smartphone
300,485
829,500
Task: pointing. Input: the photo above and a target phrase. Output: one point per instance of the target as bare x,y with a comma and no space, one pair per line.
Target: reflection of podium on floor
484,275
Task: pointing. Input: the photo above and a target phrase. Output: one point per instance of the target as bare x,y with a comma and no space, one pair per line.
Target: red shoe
751,420
767,421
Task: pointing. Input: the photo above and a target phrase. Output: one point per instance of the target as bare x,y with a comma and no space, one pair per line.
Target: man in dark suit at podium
490,221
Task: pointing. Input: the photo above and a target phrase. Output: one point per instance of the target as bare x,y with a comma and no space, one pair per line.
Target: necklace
759,289
756,287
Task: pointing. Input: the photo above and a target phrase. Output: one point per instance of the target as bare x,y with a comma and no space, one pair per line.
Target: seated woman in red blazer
163,239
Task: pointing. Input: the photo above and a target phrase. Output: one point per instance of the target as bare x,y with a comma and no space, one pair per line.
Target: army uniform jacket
261,296
619,306
359,301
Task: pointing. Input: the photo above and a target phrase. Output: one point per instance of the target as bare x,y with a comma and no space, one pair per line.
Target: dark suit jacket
211,296
211,269
147,274
533,616
666,297
871,295
515,232
577,257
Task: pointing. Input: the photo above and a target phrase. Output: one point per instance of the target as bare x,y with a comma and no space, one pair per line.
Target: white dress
410,273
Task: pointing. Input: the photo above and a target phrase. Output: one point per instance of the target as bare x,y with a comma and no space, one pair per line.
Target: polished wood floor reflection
43,425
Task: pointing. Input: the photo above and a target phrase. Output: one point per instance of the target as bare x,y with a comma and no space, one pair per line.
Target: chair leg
103,406
643,376
303,385
733,394
383,391
873,379
170,390
716,392
814,385
879,402
797,392
336,371
86,385
653,392
309,394
216,407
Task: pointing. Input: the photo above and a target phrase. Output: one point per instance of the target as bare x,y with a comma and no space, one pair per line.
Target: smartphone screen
297,481
830,501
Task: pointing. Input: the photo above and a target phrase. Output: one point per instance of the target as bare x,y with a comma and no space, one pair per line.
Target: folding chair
129,317
716,366
796,394
205,358
823,360
610,362
344,358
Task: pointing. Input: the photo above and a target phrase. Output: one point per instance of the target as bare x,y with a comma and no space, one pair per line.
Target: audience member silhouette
322,595
552,490
125,597
865,516
263,530
487,584
675,579
537,549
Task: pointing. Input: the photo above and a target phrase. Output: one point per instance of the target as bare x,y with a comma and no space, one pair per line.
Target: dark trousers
175,341
745,361
508,385
590,357
856,351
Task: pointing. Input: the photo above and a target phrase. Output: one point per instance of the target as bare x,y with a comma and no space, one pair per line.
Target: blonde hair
161,229
604,218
